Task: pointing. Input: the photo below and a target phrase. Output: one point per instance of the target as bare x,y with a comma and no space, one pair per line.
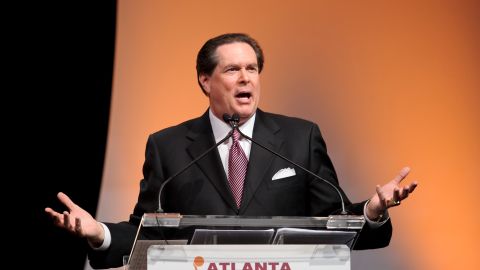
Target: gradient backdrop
390,84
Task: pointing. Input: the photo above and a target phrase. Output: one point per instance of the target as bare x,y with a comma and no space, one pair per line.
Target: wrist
373,214
97,240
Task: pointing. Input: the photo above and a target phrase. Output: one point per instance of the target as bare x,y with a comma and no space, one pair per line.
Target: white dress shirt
220,130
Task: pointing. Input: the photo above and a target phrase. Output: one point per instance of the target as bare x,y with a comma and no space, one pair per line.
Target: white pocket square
283,173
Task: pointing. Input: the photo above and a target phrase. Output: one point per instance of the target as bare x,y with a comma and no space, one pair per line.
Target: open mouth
243,95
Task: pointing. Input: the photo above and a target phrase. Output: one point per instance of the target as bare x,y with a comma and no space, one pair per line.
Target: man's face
234,86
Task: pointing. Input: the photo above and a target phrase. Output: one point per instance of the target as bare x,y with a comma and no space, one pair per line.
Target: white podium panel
248,257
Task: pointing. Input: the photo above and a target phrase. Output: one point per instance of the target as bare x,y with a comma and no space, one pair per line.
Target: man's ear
205,82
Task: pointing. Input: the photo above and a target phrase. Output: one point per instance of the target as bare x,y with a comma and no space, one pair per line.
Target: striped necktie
237,168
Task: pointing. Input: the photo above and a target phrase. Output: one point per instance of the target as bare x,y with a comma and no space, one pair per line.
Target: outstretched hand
389,195
77,221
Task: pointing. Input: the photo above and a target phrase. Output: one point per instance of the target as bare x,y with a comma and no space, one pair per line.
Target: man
228,69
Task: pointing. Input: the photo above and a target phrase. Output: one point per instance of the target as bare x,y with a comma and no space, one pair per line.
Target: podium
241,242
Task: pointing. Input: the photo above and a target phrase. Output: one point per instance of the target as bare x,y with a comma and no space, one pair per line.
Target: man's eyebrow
231,65
238,65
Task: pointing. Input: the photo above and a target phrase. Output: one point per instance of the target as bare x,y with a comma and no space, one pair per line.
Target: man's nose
244,76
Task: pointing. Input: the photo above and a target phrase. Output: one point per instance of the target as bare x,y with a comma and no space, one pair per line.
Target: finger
78,226
58,221
66,220
412,186
66,200
401,175
395,199
396,195
56,217
387,203
380,196
51,212
404,193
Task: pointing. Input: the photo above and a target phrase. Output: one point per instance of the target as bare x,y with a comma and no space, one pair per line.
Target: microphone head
236,117
227,118
231,120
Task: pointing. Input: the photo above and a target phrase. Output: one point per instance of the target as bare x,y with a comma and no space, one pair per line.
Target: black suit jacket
203,189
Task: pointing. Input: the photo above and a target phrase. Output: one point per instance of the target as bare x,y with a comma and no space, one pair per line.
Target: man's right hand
77,221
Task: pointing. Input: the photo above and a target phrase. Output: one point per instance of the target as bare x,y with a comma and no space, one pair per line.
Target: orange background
390,84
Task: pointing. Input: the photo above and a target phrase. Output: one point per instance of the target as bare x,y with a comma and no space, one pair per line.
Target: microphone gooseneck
160,209
233,121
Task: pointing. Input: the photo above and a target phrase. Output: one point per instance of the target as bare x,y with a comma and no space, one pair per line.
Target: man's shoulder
285,120
179,130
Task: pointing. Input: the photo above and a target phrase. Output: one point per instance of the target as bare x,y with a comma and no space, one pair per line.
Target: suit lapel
202,138
260,160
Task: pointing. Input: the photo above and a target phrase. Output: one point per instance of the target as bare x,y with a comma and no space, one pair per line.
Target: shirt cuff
375,224
107,240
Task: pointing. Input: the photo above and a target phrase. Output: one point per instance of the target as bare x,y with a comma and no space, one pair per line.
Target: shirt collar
220,128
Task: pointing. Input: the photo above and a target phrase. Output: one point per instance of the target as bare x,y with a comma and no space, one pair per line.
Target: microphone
160,209
233,121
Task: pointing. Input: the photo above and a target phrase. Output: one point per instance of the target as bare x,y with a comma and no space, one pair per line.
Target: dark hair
207,60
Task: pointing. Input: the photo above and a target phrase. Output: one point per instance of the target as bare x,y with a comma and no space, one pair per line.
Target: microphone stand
160,209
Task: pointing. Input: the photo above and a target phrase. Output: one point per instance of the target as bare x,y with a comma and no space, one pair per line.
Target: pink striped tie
237,168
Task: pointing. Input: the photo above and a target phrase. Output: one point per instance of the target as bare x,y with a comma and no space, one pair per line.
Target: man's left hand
389,195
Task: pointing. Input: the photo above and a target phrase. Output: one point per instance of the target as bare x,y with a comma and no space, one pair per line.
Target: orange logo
198,261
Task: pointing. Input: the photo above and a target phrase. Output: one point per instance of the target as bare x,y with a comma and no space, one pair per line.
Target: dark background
66,65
